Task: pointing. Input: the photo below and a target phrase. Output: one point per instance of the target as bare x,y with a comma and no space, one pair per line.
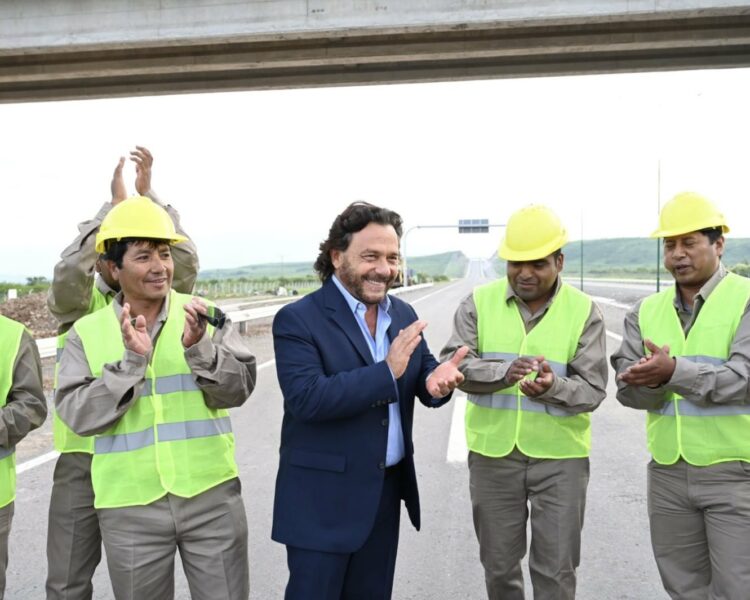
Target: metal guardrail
48,346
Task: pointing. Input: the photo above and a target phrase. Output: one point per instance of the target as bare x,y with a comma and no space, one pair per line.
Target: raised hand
403,346
446,377
143,161
117,186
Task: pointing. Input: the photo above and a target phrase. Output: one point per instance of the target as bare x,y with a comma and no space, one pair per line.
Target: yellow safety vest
169,441
65,439
10,341
498,422
681,429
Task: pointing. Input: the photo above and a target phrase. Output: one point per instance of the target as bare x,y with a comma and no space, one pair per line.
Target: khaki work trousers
700,529
502,489
6,516
209,529
74,545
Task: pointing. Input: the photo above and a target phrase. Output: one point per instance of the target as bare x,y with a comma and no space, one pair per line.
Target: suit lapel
340,314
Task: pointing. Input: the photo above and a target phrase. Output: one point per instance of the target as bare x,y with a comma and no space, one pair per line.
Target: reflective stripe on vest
701,435
498,422
10,341
168,440
64,437
167,432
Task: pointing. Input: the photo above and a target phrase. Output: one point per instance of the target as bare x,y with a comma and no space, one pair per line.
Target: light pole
658,210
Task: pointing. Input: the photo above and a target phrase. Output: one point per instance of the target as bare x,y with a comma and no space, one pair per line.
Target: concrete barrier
48,346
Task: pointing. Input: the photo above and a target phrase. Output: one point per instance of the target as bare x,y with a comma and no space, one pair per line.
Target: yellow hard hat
137,217
532,233
688,212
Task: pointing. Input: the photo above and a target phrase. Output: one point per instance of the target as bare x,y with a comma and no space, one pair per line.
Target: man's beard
355,283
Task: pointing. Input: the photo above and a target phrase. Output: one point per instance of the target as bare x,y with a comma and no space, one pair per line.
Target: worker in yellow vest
23,407
151,376
685,358
73,538
535,370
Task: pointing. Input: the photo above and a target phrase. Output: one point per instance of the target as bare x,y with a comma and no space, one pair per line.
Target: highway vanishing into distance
441,562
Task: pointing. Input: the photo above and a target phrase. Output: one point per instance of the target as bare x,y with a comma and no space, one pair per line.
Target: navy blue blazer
335,427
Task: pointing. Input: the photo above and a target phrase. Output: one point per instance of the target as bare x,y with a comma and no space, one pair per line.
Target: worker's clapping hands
653,370
135,334
143,161
446,377
195,326
541,383
403,346
119,193
521,367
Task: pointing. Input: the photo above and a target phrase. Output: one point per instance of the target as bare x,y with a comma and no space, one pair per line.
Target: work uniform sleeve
223,366
630,352
69,295
585,386
482,375
91,405
26,406
707,384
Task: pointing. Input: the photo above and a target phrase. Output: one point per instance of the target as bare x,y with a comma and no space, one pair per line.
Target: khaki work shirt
222,365
701,383
582,390
69,295
26,406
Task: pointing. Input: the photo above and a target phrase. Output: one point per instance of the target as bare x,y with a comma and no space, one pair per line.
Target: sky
259,176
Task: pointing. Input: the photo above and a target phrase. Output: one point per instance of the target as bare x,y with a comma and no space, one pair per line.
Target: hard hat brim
100,243
507,253
674,232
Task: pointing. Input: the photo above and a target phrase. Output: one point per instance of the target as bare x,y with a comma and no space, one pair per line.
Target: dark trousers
74,544
6,516
366,574
700,529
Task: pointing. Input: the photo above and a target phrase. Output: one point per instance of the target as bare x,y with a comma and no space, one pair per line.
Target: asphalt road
440,562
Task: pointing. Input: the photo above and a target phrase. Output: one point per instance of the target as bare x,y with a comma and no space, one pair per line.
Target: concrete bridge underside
83,55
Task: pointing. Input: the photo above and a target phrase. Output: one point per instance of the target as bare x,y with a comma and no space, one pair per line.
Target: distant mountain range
601,257
452,264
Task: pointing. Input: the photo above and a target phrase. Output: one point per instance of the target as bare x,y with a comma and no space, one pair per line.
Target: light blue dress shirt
379,346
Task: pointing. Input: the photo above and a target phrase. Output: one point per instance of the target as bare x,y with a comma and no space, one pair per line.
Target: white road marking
457,450
611,302
35,462
433,293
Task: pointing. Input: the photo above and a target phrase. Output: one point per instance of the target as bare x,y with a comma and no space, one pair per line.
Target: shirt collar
104,287
354,304
511,293
161,317
707,287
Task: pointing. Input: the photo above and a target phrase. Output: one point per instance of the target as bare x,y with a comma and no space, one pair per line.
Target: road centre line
457,449
433,293
45,458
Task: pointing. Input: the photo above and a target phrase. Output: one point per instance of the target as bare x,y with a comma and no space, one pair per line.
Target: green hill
633,256
452,264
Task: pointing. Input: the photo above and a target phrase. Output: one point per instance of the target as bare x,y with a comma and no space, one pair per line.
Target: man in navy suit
350,360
